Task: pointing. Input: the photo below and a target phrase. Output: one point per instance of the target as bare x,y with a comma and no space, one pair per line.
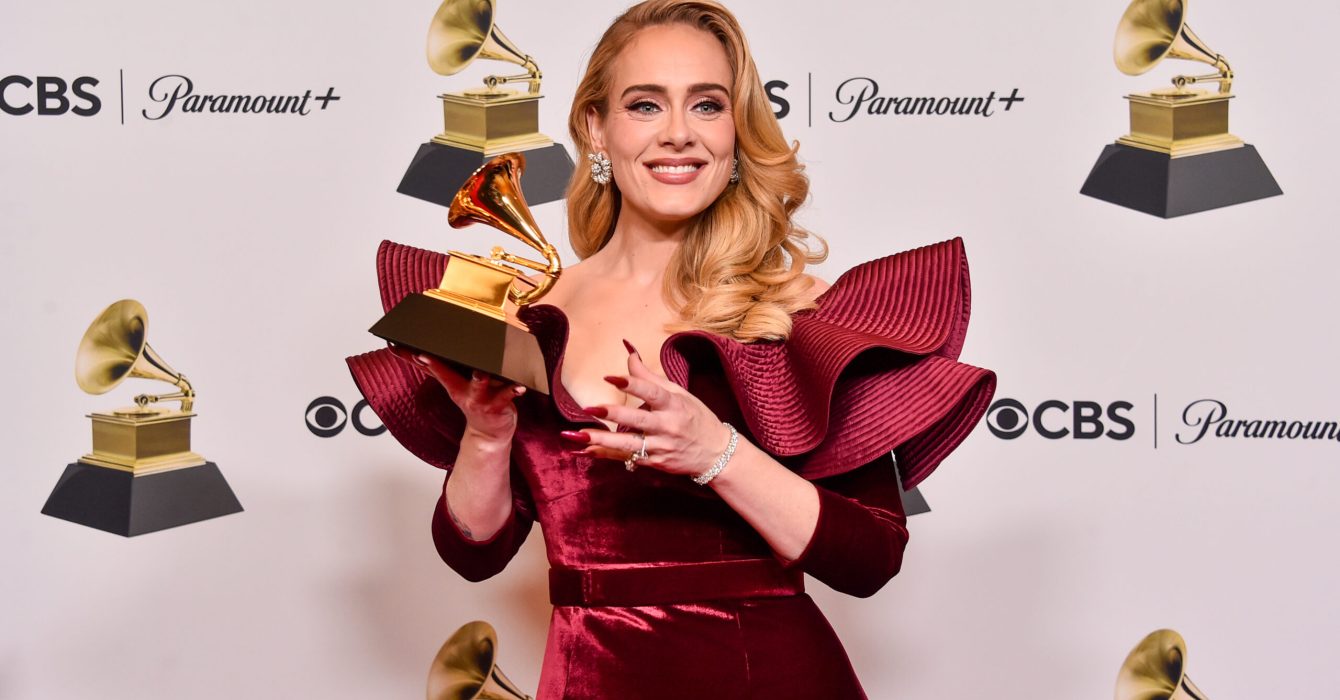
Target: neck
639,251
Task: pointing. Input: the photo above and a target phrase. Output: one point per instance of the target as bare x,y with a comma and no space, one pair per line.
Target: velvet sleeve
418,413
858,542
872,369
476,560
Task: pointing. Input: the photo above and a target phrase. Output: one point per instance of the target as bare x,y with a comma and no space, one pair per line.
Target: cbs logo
326,417
48,95
1082,420
780,105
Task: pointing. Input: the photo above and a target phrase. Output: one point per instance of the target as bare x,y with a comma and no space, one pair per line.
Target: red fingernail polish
618,382
631,350
597,411
576,436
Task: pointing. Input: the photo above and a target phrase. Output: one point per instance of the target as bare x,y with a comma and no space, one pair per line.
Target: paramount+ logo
1053,419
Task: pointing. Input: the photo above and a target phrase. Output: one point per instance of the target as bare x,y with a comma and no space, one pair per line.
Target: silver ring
631,463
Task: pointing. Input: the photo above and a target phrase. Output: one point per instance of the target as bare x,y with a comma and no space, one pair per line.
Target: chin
669,212
678,206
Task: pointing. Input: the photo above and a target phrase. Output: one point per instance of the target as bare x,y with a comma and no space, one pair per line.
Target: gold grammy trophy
141,475
1156,670
484,122
466,668
1179,157
464,320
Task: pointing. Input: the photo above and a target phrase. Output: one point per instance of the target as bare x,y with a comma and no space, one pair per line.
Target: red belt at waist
663,584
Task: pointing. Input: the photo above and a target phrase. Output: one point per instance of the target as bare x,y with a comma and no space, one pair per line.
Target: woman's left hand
683,436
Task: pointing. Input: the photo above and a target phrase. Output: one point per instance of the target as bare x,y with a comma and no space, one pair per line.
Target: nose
677,132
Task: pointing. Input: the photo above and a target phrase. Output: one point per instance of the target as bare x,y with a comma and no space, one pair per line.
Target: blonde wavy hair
740,269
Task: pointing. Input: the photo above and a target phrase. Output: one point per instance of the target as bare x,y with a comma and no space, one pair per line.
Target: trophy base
438,171
1159,184
914,503
126,504
465,337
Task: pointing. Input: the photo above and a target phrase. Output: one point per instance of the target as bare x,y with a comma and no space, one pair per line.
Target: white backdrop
250,239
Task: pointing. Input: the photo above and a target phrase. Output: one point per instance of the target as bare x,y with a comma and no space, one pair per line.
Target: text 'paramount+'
176,93
861,96
1210,417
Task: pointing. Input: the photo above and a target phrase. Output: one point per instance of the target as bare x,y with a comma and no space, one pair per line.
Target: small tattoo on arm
459,525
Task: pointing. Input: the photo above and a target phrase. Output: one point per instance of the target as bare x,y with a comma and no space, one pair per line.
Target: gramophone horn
466,668
492,196
1156,670
115,346
463,30
1151,30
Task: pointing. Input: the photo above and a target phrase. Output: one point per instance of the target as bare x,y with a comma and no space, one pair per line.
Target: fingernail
576,436
422,359
518,390
618,382
597,411
631,350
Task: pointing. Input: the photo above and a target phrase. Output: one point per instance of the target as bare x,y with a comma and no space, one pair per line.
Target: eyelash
637,106
716,106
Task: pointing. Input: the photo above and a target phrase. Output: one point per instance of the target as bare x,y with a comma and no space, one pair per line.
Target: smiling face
668,127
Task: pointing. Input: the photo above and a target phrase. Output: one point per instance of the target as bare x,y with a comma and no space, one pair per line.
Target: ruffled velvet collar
871,369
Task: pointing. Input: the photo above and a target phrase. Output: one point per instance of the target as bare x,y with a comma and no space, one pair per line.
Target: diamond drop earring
734,170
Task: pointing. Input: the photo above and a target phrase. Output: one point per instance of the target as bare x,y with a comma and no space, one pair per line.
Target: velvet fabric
661,590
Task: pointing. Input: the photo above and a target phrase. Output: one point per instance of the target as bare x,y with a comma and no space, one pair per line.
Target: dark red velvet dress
660,589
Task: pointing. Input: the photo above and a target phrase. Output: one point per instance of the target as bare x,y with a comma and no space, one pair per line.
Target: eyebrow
660,89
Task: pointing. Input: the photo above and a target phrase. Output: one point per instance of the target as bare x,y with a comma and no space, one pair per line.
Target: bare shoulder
817,286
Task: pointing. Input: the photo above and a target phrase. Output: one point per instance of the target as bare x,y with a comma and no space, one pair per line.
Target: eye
709,107
326,416
644,107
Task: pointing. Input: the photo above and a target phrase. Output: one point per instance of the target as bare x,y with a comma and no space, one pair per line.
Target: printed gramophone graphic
481,123
141,475
1179,157
464,319
466,668
1156,670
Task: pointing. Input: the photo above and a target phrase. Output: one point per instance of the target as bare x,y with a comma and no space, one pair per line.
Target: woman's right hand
486,401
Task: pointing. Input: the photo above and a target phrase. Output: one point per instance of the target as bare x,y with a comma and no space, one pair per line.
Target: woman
684,493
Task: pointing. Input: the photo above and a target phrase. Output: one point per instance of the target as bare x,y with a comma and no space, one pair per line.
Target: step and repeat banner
1162,451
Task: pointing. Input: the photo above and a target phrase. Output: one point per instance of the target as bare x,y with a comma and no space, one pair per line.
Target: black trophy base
469,339
1158,184
123,504
438,171
914,503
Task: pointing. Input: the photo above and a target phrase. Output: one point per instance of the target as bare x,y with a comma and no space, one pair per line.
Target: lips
675,171
674,168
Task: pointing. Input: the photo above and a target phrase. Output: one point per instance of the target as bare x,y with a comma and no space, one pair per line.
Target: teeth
673,168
